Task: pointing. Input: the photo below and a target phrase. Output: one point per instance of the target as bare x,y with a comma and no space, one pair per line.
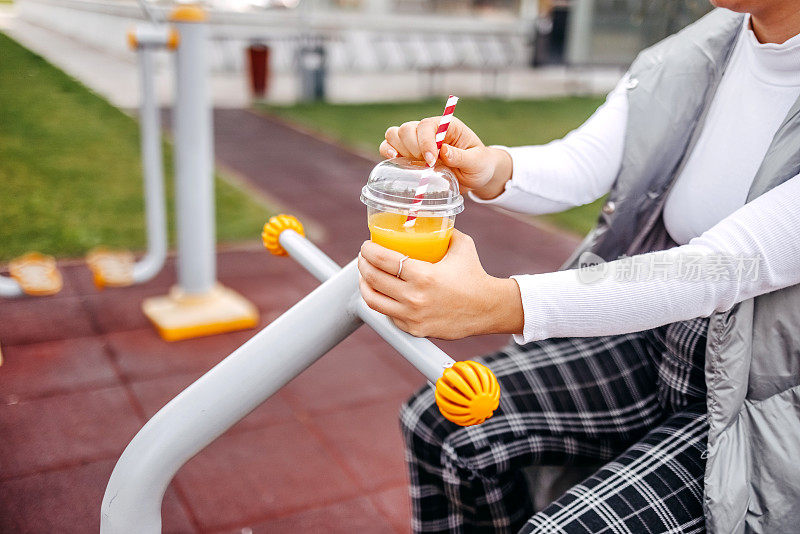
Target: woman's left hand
451,299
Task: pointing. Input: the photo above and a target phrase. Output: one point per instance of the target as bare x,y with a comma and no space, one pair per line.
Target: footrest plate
37,274
111,268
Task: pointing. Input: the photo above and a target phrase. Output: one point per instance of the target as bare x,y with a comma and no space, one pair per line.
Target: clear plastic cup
389,196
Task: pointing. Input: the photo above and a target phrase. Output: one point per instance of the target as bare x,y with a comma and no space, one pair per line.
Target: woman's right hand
480,168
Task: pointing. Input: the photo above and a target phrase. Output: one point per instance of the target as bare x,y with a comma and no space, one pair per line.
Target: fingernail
392,153
446,151
430,158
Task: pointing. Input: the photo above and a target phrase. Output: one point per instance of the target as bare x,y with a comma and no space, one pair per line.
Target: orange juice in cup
426,240
415,221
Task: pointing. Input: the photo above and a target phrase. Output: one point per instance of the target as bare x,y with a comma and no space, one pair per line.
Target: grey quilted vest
752,479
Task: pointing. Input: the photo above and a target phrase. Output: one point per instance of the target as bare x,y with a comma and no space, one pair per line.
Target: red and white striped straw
422,188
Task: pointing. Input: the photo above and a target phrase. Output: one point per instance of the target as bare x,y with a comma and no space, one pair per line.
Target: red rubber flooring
83,371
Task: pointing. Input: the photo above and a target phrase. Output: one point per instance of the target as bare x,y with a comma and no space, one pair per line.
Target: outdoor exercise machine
467,393
37,274
115,268
197,305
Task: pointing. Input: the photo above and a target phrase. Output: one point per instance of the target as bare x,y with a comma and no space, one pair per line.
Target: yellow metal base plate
178,316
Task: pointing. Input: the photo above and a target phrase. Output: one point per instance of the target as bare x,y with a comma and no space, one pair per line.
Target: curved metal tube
223,396
244,380
152,166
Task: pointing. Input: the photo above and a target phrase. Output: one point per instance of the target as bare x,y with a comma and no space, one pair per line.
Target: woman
680,367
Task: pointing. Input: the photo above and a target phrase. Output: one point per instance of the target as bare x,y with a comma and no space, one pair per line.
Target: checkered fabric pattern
654,486
637,397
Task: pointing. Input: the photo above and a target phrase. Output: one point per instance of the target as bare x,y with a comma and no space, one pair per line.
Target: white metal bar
579,41
194,162
148,11
223,396
9,287
306,254
152,166
429,359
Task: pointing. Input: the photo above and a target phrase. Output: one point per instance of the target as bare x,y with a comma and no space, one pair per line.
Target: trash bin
258,61
312,72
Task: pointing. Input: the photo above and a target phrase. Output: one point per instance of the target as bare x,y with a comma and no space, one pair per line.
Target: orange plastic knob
173,39
133,41
188,13
272,232
467,393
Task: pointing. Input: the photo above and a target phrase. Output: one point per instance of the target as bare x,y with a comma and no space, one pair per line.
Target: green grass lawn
70,173
498,122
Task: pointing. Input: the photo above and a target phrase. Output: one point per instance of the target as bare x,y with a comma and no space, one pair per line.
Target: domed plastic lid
394,183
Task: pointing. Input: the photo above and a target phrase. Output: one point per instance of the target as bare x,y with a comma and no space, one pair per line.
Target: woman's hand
451,299
484,170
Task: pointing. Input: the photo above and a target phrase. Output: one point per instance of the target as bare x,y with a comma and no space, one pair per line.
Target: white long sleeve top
729,250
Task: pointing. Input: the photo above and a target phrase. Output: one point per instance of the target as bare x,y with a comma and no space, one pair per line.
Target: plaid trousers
636,401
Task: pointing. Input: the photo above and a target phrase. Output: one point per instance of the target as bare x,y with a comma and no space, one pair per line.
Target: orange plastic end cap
272,232
467,393
133,42
173,39
188,13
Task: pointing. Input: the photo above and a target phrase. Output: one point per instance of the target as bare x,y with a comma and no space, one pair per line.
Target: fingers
417,139
393,138
379,302
460,245
408,135
426,139
461,135
460,240
387,150
460,159
381,281
401,324
388,261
